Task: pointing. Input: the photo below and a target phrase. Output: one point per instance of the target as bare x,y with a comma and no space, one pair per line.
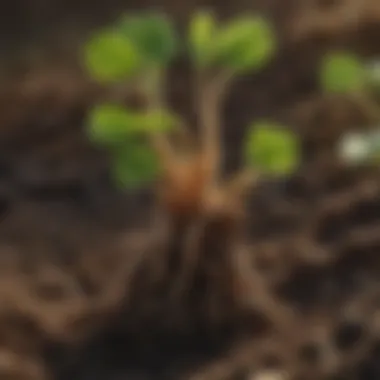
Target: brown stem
237,187
209,97
153,87
370,108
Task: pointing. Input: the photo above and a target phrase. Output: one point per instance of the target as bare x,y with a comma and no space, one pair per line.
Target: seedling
138,50
345,73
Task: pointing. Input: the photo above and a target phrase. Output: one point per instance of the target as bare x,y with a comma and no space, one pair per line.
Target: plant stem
209,97
241,182
370,108
153,86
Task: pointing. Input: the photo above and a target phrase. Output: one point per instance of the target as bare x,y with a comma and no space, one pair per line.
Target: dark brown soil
95,280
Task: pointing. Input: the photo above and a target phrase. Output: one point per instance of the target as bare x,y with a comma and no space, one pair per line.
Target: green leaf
110,57
158,121
153,35
112,124
247,43
134,164
272,149
201,35
342,72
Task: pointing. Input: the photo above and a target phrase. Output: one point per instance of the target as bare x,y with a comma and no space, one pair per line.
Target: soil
96,281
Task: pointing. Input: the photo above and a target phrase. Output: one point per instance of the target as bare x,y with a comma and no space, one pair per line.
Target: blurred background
55,194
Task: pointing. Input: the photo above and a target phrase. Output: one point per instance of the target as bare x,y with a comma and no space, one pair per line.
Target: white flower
354,147
373,70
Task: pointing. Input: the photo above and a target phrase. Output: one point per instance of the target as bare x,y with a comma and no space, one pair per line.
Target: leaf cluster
139,48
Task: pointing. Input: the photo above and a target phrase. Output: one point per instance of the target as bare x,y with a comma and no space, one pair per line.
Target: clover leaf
201,36
133,164
246,43
110,57
271,148
342,72
153,35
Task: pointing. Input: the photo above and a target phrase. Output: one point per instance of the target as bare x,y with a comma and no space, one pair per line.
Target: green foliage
140,42
342,72
110,58
158,120
122,130
133,164
201,34
272,149
111,124
135,44
141,47
246,43
153,35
